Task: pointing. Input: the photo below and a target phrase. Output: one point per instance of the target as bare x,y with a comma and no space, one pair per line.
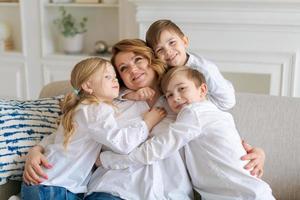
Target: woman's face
135,70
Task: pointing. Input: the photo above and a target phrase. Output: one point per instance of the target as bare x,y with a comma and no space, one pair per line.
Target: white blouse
165,179
95,126
212,157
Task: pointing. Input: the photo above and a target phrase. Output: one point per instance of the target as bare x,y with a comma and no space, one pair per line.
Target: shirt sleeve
124,91
103,127
158,147
49,139
220,91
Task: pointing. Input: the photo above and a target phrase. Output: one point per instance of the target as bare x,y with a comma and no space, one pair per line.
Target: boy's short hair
192,74
155,29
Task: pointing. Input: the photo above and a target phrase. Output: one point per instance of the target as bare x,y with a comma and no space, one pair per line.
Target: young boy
213,147
170,44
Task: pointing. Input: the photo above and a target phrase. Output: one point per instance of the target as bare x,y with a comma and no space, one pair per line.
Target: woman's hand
142,94
154,116
257,159
33,172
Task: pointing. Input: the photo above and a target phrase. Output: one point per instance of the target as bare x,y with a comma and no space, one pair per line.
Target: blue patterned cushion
22,125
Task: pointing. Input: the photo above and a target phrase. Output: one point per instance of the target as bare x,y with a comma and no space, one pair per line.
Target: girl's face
135,70
104,84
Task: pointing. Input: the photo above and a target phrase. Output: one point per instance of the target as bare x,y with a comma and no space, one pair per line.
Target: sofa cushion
22,125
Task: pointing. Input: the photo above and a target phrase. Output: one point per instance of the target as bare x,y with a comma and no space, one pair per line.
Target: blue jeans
44,192
101,196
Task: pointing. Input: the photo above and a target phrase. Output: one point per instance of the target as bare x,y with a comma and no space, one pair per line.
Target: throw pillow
22,125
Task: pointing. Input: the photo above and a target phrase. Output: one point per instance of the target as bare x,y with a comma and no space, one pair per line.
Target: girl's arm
106,130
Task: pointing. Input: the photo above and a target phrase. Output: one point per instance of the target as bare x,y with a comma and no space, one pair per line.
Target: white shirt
212,157
95,126
165,179
220,90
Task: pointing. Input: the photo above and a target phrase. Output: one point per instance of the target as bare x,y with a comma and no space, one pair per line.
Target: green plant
68,25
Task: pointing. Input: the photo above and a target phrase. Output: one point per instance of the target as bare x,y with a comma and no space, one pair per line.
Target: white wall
255,43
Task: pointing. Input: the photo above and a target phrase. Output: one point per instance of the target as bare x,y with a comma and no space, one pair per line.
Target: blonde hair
81,73
192,74
139,47
157,27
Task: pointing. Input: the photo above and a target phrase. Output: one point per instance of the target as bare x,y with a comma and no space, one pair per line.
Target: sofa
270,122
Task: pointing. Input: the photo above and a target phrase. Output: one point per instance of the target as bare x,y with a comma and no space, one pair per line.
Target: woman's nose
177,98
133,69
168,52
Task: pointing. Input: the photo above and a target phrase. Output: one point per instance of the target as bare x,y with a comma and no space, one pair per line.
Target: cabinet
38,58
12,66
102,24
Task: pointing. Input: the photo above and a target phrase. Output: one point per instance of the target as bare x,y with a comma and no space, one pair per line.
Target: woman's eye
138,59
173,42
181,88
169,96
158,51
122,68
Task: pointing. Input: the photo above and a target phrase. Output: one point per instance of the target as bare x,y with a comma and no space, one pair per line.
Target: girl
87,124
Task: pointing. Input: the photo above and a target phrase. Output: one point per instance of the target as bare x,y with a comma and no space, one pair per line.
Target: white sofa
270,122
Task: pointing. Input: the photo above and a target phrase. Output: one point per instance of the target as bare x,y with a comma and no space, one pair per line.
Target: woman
165,179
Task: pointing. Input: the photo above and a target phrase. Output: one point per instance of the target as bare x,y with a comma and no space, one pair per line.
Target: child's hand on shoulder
98,162
142,94
154,116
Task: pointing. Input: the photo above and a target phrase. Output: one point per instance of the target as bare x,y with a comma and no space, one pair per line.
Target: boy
169,44
213,147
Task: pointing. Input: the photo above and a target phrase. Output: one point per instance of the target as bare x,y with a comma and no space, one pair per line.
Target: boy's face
181,91
171,48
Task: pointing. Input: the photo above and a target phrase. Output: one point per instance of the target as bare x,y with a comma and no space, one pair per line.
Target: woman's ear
86,87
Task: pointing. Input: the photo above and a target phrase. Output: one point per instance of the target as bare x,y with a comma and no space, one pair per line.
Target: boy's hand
142,94
98,162
154,116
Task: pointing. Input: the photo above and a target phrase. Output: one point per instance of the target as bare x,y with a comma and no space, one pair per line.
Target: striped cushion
22,125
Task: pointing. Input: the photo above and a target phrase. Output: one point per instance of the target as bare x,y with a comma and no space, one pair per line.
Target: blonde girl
89,121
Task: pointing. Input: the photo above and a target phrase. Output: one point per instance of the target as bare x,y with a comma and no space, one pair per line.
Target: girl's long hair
79,75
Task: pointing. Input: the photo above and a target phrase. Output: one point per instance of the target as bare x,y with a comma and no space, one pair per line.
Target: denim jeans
101,196
44,192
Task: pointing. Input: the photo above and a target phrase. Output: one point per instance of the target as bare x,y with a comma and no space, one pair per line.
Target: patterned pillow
22,125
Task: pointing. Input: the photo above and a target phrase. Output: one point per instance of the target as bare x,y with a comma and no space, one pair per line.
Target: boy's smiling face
171,48
182,91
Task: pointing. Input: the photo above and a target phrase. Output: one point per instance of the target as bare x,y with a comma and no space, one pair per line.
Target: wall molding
242,36
278,65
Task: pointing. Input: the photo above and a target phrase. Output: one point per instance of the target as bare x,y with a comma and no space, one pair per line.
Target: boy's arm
159,146
220,90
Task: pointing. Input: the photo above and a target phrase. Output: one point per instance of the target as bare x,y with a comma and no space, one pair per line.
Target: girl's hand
142,94
33,172
154,116
257,159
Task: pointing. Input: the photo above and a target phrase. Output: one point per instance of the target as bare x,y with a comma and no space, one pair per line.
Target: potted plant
71,30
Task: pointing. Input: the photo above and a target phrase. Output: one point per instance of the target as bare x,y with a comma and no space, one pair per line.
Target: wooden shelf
70,57
83,5
9,4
